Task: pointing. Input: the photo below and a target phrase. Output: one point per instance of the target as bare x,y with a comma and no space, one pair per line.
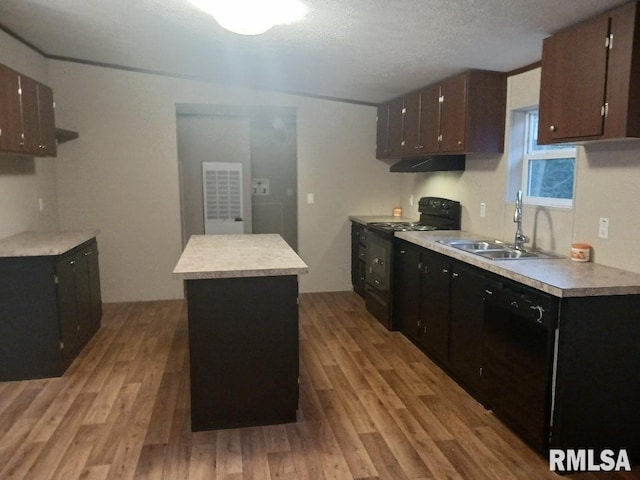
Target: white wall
121,175
24,180
607,185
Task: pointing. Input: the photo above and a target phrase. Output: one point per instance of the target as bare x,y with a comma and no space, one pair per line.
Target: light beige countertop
560,277
364,219
235,256
38,244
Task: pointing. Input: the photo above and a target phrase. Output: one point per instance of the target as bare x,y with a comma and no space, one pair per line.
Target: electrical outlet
483,210
603,228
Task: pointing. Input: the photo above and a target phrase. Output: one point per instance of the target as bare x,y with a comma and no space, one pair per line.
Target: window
548,171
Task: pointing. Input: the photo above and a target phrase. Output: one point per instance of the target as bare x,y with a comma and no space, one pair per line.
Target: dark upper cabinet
430,119
38,119
396,125
411,132
463,114
589,79
27,119
389,129
10,124
453,114
46,121
382,131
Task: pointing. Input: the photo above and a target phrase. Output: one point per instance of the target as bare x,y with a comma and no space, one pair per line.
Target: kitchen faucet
520,238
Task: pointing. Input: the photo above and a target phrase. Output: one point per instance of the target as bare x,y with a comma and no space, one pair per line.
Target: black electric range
435,214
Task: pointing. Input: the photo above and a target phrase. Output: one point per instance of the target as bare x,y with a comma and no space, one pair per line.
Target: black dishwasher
518,340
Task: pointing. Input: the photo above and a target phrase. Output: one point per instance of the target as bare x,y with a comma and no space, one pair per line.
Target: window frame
562,151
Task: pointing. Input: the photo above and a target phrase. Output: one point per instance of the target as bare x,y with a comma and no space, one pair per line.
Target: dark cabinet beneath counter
358,257
572,384
51,306
243,351
438,305
466,312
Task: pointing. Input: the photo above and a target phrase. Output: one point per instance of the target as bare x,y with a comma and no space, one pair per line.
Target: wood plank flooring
371,406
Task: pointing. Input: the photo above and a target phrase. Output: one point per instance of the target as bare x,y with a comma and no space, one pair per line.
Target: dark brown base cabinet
50,307
428,288
243,350
358,258
596,393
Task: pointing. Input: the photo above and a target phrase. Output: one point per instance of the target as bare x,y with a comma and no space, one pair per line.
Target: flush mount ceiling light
252,17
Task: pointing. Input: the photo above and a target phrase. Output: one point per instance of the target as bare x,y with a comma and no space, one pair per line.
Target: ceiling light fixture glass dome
252,17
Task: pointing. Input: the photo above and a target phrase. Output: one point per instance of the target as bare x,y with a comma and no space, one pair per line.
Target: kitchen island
242,304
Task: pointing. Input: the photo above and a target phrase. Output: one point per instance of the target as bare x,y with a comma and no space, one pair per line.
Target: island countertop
40,244
236,256
560,277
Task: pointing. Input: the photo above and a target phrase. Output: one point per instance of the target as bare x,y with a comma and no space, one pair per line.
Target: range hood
435,163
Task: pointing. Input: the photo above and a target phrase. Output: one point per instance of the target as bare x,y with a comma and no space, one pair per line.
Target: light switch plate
483,210
310,198
603,228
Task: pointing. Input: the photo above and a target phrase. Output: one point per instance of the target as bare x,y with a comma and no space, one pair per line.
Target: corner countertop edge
41,244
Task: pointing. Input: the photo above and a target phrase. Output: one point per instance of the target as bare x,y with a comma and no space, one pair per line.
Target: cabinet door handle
455,275
459,143
402,252
86,254
72,262
445,270
552,128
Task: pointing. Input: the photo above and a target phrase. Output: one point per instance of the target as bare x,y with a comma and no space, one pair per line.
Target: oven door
378,276
378,260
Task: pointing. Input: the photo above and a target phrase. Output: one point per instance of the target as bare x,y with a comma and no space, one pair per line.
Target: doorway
264,141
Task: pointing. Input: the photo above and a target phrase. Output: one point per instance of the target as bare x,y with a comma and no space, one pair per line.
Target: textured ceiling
361,50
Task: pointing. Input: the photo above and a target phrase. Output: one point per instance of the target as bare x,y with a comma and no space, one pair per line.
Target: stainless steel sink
496,250
508,254
472,244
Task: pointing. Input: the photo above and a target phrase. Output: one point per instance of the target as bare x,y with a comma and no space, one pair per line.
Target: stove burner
390,227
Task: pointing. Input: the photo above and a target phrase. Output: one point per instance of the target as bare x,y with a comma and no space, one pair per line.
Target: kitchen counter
39,244
560,277
236,256
364,219
242,310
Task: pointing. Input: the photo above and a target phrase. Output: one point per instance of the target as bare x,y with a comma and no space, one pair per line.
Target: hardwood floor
371,406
